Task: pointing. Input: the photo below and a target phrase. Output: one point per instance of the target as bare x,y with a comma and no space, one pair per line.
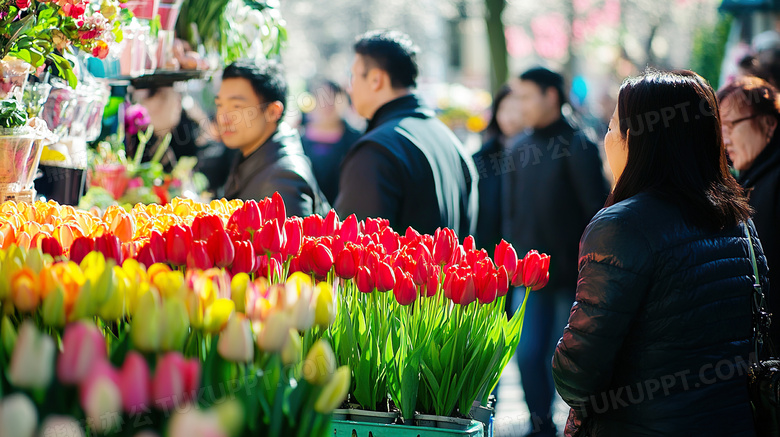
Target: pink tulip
175,381
101,396
134,383
82,346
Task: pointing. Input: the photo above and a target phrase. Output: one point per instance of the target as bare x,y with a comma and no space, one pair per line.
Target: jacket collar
767,160
407,106
282,142
554,129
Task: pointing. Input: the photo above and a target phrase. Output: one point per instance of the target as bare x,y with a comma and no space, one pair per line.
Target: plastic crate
347,428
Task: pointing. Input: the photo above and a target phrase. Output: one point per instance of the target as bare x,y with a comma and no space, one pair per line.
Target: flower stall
230,318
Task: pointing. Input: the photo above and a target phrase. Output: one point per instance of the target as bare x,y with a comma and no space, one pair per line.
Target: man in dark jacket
409,167
250,105
554,184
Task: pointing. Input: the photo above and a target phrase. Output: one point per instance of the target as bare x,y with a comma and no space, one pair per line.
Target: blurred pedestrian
327,137
250,106
555,184
408,167
659,336
750,110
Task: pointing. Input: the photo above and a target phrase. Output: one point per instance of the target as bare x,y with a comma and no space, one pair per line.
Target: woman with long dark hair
658,338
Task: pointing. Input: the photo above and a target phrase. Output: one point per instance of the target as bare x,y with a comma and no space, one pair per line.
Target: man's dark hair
266,77
546,79
393,52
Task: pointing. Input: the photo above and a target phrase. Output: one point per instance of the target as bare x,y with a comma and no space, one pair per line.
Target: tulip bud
18,416
349,229
433,281
405,290
157,246
273,333
244,259
502,282
312,226
276,208
331,224
238,290
32,359
25,291
291,353
8,335
178,241
145,331
221,249
199,257
320,363
488,289
203,226
82,346
65,426
334,392
175,324
217,315
269,239
325,312
114,307
134,383
101,398
145,256
505,255
250,218
235,343
347,262
110,246
293,230
365,280
51,246
389,240
80,248
444,246
385,278
175,381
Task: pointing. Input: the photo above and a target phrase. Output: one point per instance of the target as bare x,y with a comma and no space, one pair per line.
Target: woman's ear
769,124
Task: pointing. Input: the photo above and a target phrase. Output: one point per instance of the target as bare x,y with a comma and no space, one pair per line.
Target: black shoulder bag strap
761,318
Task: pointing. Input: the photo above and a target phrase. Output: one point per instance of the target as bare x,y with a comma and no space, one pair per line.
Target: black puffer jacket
659,335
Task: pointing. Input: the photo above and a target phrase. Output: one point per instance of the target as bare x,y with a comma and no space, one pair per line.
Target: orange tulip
24,290
123,226
23,240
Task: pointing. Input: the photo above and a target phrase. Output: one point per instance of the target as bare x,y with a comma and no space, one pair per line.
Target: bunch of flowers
36,30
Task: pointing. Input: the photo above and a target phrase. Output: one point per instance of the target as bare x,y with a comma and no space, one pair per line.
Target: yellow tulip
303,309
291,354
25,291
217,314
235,342
175,324
114,307
325,312
145,331
238,290
195,310
320,363
104,284
170,284
230,415
274,333
297,281
93,265
84,306
36,260
334,392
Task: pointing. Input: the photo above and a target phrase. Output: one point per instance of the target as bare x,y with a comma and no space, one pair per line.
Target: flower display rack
346,428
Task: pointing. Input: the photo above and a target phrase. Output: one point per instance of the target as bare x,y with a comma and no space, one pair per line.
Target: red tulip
422,253
385,278
199,257
312,226
178,241
542,282
322,259
293,230
488,290
349,229
135,383
422,271
347,262
469,244
375,225
389,240
444,246
365,280
464,290
130,249
175,382
502,282
505,255
411,234
331,224
110,247
473,257
157,246
432,284
144,255
449,281
80,247
205,225
220,248
244,258
251,218
82,346
405,290
277,209
534,272
458,256
51,246
269,239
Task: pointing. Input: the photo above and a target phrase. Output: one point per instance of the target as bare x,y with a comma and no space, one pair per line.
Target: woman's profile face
508,116
744,133
616,146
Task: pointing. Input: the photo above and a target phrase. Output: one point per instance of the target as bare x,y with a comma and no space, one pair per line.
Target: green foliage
12,114
709,49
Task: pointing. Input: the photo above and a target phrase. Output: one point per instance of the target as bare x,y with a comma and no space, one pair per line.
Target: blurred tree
497,41
709,48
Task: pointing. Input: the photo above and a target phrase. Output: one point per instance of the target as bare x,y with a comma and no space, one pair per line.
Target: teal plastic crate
347,428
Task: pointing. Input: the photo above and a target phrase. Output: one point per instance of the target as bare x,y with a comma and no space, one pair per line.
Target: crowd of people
648,311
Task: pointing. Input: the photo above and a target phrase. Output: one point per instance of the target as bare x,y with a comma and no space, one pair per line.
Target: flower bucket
484,415
373,416
63,184
344,428
145,9
341,414
111,177
13,76
17,158
444,422
169,13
